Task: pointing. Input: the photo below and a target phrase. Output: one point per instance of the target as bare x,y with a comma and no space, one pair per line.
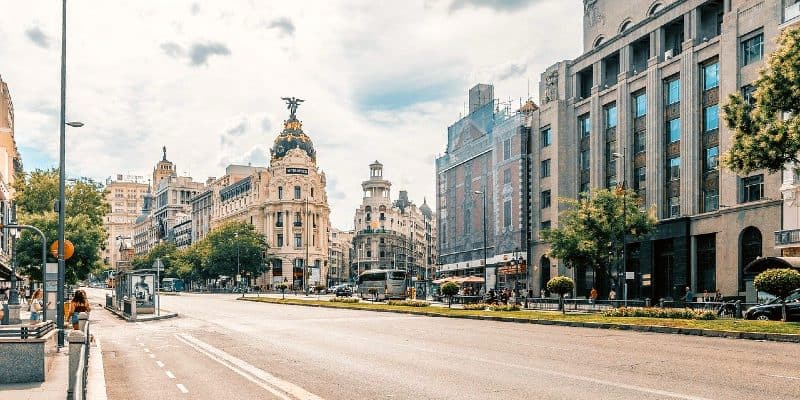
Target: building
202,213
641,106
340,252
125,197
485,164
10,165
392,235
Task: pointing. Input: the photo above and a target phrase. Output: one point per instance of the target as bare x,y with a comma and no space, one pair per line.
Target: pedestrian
36,306
612,295
718,296
78,304
706,297
592,297
688,297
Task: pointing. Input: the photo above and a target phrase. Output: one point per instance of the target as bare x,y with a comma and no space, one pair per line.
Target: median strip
730,328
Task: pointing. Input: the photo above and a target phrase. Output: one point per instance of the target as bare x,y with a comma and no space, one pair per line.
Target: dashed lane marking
146,350
152,355
160,364
170,374
182,388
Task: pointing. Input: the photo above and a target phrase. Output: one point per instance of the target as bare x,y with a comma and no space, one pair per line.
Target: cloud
266,125
238,130
283,24
172,49
501,6
200,52
195,8
512,71
38,37
391,96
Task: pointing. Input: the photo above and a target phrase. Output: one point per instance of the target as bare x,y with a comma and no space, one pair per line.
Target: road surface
221,348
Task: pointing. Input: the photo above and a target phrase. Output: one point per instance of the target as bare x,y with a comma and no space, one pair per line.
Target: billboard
142,288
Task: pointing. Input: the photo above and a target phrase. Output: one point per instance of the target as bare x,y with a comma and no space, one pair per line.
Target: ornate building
125,196
340,249
10,164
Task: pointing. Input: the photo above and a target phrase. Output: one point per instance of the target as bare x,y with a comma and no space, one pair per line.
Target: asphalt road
221,348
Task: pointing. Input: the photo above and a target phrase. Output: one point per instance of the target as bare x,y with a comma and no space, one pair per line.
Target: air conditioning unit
668,54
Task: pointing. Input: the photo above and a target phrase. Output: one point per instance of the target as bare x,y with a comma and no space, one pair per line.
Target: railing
27,332
79,348
787,237
791,12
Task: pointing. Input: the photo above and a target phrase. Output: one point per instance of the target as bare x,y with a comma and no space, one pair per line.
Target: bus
385,283
172,285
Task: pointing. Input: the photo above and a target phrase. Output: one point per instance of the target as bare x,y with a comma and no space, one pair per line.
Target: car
771,310
343,291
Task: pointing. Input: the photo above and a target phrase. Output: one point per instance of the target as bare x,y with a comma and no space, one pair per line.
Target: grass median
730,325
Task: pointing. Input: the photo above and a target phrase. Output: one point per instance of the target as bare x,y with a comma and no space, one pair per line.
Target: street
221,348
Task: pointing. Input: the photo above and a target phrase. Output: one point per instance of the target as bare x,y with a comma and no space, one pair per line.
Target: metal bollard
647,302
661,302
76,340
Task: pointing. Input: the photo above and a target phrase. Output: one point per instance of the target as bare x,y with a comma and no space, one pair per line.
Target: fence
27,332
79,344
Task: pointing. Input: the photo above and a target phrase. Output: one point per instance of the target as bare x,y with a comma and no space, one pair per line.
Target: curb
153,318
773,337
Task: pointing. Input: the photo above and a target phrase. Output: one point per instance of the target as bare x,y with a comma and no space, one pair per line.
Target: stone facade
10,164
340,249
125,196
650,86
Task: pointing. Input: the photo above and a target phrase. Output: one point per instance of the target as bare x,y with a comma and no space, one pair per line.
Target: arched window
655,8
598,41
750,244
625,26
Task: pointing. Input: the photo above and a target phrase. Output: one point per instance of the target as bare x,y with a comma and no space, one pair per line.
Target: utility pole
305,266
61,178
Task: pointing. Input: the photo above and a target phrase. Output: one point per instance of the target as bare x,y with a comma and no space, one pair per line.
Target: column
691,179
654,141
693,263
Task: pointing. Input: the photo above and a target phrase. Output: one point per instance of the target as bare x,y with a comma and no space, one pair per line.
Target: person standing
79,304
688,297
612,295
593,297
36,306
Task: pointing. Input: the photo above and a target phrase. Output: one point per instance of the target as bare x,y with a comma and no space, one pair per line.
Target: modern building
392,235
641,106
340,252
10,165
481,194
125,197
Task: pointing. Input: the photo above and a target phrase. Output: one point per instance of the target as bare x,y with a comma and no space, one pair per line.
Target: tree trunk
783,310
561,304
449,301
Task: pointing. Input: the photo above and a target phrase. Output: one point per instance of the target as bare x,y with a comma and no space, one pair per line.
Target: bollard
661,302
133,309
83,318
76,340
647,302
738,309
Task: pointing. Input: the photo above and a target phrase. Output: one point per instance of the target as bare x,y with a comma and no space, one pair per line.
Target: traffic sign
158,265
69,249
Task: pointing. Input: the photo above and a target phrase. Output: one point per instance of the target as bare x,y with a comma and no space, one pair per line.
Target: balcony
787,238
791,12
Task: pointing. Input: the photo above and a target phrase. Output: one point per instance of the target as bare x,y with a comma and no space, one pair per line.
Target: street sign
51,272
69,249
629,275
158,265
51,286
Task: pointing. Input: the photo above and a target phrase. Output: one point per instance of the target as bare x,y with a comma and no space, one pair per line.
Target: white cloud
382,80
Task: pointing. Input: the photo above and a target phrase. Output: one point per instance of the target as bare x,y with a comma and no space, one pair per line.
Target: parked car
343,291
771,310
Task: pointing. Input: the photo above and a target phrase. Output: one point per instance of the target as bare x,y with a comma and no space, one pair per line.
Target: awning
764,263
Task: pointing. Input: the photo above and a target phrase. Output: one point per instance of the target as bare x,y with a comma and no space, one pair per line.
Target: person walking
78,304
688,297
593,297
36,306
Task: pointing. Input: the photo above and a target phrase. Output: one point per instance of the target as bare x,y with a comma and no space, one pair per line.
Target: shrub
504,307
449,289
560,285
408,303
344,300
475,306
778,282
670,313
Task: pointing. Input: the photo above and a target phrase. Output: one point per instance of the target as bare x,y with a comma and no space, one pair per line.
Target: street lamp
485,271
621,276
238,269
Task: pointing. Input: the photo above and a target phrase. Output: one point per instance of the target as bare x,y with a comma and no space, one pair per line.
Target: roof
764,263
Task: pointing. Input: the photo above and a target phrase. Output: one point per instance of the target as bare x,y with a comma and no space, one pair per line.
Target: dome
292,136
424,209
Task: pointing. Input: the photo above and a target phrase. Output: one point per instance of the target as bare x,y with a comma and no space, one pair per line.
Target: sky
382,81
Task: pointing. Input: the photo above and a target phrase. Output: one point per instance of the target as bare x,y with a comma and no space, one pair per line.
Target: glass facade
672,91
710,76
640,105
673,130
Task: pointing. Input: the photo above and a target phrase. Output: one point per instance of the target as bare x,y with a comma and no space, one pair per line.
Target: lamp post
305,263
238,264
621,269
485,271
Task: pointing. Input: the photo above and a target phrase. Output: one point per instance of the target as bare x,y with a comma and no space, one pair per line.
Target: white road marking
170,374
182,388
160,364
146,350
279,387
141,344
152,355
785,377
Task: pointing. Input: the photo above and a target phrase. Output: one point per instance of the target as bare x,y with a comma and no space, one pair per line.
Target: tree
449,289
767,129
165,251
35,196
778,282
235,244
590,230
282,287
560,285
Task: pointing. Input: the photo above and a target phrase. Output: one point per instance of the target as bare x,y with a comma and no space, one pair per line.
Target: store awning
764,263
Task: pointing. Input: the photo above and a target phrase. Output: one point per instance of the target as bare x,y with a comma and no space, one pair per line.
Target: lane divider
170,375
182,388
282,389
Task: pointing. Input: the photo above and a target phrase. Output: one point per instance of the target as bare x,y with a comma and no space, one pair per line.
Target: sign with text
297,171
51,272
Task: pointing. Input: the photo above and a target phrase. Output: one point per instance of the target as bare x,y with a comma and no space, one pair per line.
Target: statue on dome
291,104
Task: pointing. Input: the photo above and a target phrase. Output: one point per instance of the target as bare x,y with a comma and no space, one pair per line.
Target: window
753,187
545,225
673,91
382,217
297,220
584,125
710,76
674,207
748,92
710,200
298,240
711,118
753,49
507,214
280,192
674,169
297,192
506,149
584,160
279,219
280,240
611,116
673,130
640,105
544,169
545,199
507,176
711,159
546,139
639,140
639,178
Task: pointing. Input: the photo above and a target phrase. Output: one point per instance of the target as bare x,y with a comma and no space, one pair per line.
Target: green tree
37,193
767,133
560,285
235,244
778,282
590,229
449,289
165,251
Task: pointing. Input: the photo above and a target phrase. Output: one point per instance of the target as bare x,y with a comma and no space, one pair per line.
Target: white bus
386,284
